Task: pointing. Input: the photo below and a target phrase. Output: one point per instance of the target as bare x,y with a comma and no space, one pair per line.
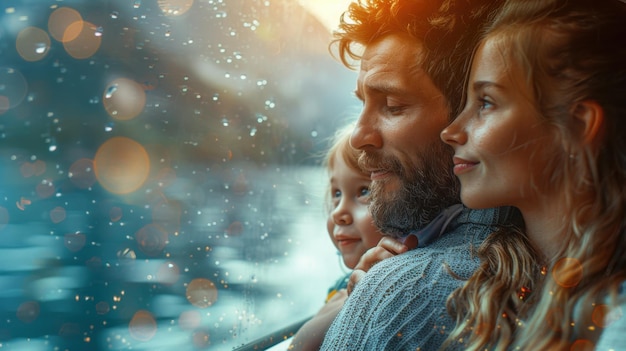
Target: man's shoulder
497,216
472,226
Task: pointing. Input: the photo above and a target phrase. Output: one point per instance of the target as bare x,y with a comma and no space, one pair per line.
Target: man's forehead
393,55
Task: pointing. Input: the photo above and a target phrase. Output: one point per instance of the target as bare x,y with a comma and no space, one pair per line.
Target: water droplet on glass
99,31
110,91
52,147
221,14
216,97
224,122
115,14
41,48
137,4
260,118
168,33
109,126
253,131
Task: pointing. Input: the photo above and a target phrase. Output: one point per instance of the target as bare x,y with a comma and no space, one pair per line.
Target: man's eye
395,109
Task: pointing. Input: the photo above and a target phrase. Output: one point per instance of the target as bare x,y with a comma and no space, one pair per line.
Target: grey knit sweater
400,302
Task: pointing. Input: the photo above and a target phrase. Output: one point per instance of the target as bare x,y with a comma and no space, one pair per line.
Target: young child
350,227
544,130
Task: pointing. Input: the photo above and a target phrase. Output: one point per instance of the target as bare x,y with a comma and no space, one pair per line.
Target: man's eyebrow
381,88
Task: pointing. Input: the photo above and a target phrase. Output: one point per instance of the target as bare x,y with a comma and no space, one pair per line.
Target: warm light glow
60,20
85,44
201,293
142,327
124,99
33,44
326,11
121,165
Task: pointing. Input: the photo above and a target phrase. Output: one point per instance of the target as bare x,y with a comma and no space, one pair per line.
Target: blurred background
160,185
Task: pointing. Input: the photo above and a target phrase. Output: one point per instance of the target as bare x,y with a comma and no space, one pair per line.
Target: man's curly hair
448,30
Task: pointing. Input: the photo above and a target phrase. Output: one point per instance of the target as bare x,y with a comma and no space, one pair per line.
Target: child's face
499,141
349,222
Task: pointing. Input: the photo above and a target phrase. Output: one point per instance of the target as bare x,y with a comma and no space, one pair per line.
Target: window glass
160,179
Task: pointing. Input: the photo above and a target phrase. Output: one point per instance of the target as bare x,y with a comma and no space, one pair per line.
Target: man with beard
412,68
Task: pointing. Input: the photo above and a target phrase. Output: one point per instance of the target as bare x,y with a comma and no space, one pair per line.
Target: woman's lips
463,166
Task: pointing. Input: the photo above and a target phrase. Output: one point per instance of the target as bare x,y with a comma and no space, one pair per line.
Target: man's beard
424,191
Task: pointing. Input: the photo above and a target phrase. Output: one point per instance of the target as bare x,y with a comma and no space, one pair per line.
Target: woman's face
499,141
350,224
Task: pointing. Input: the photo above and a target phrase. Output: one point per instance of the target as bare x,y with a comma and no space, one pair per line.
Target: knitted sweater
400,304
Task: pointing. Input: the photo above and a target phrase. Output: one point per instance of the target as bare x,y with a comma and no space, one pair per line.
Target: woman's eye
484,104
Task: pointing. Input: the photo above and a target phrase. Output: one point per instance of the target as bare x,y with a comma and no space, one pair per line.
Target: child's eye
336,193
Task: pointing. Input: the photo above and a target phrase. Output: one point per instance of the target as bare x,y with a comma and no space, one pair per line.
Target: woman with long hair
544,130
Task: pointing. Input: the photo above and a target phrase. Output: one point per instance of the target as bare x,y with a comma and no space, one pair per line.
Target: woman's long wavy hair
571,51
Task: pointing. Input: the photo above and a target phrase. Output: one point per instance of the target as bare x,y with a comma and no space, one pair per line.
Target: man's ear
590,119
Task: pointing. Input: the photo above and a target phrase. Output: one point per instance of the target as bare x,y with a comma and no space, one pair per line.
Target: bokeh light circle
200,339
121,165
168,273
13,88
142,326
86,43
59,21
189,320
582,345
75,241
201,292
58,214
32,43
567,272
604,315
28,311
124,99
82,174
151,239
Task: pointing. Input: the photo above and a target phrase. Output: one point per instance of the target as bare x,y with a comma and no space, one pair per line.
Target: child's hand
387,247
